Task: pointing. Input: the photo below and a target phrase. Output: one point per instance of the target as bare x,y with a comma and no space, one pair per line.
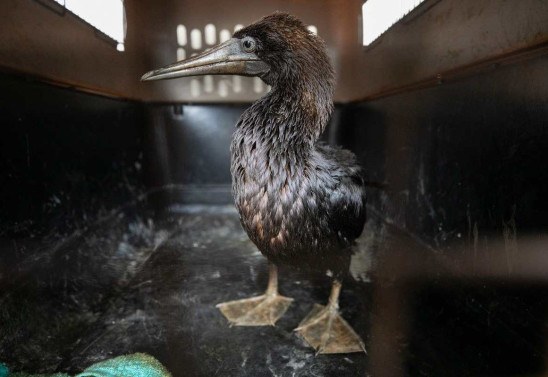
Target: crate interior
118,232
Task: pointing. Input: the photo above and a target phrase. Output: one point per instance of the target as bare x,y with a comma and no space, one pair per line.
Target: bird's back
345,197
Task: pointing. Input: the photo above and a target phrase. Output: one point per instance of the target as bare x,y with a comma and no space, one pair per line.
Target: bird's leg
326,331
262,310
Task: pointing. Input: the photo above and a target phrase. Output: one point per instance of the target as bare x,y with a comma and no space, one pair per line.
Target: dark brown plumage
299,200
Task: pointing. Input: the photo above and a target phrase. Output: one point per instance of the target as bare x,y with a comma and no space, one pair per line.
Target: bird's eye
249,44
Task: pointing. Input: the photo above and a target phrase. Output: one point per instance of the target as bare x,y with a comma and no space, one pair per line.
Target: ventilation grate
196,41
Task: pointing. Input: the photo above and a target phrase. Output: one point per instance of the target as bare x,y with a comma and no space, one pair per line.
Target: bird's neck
275,138
292,115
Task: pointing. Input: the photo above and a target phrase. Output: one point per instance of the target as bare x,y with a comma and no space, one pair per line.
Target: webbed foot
326,331
262,310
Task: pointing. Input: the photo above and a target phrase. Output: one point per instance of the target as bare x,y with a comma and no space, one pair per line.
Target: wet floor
145,280
149,282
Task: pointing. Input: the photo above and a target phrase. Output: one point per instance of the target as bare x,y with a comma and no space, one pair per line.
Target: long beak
227,58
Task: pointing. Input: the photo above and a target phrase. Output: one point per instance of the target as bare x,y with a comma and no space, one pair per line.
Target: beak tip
147,76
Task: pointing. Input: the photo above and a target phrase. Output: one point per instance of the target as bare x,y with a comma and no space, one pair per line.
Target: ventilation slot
196,39
181,53
195,88
224,35
209,84
223,88
237,84
210,33
181,35
258,85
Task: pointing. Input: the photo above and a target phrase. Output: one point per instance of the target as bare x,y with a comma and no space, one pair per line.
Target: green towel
135,365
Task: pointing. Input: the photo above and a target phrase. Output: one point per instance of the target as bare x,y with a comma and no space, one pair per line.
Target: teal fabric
135,365
4,371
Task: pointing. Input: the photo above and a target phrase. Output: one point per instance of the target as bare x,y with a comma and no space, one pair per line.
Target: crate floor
146,280
149,281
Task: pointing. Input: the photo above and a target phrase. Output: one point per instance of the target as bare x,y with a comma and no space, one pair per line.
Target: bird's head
278,48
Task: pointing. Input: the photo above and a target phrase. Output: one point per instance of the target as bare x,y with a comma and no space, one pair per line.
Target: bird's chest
272,194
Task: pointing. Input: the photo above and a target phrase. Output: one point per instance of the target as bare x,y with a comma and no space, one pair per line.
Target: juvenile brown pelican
300,201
